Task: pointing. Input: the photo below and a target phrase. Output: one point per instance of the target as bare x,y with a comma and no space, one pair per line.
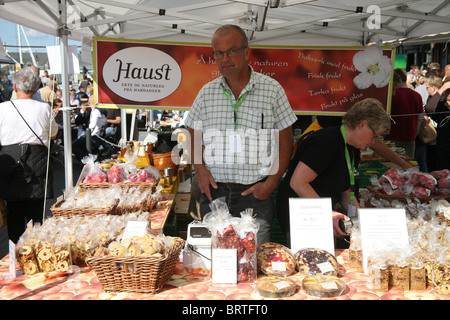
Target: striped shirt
241,144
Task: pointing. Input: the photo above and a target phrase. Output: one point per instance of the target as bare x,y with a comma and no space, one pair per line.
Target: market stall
272,271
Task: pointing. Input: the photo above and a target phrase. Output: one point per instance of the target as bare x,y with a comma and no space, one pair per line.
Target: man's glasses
229,53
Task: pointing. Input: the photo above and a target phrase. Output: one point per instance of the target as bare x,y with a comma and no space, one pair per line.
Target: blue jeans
420,155
263,210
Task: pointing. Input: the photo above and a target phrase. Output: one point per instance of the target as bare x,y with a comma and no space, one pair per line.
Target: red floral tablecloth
83,284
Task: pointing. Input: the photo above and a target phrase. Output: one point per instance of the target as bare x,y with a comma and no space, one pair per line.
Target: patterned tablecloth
83,284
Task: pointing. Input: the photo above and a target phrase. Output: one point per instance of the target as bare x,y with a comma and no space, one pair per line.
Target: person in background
44,78
410,81
435,66
82,95
26,129
422,86
446,72
55,83
406,110
241,100
59,94
6,86
84,82
97,121
48,93
82,118
421,149
73,101
113,118
37,94
90,90
322,164
438,109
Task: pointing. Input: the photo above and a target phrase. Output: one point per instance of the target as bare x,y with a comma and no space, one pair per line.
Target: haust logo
142,74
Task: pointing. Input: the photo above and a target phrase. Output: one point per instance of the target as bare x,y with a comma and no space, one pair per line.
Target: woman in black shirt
320,167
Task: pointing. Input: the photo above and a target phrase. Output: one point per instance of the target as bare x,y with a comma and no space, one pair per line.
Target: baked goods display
425,261
323,286
275,287
120,199
275,259
316,261
61,242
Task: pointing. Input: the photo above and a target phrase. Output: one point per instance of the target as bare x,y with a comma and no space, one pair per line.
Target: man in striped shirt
241,135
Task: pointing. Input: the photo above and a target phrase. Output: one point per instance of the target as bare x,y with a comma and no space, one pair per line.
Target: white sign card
381,228
86,50
224,266
135,228
55,61
311,224
12,259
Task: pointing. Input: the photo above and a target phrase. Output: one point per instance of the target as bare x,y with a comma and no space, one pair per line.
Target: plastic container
323,286
275,287
316,261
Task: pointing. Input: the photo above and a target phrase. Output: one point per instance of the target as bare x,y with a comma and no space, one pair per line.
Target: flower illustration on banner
375,68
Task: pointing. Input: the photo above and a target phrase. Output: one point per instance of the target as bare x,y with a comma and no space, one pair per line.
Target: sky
8,35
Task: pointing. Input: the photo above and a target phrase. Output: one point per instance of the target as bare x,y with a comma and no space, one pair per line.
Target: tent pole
123,124
63,43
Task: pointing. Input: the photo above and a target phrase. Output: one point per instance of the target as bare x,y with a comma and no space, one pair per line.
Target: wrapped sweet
323,286
92,170
228,232
275,259
316,261
25,254
275,287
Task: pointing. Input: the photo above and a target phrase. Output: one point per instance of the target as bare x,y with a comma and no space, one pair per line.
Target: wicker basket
135,274
378,195
145,205
142,185
57,211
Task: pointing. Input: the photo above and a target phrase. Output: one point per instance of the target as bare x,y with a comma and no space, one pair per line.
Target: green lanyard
241,99
350,166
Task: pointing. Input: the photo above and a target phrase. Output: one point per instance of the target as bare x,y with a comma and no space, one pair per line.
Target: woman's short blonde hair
434,81
369,109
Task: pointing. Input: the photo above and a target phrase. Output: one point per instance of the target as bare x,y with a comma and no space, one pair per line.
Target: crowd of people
421,95
320,165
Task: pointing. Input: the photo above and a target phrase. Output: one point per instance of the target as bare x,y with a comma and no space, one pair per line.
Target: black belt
237,185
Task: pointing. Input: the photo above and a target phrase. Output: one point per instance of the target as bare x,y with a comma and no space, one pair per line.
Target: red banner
135,74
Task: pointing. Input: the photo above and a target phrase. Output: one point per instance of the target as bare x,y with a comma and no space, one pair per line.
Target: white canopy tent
267,22
296,22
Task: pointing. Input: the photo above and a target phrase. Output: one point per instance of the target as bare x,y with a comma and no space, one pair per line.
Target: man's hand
261,190
205,179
